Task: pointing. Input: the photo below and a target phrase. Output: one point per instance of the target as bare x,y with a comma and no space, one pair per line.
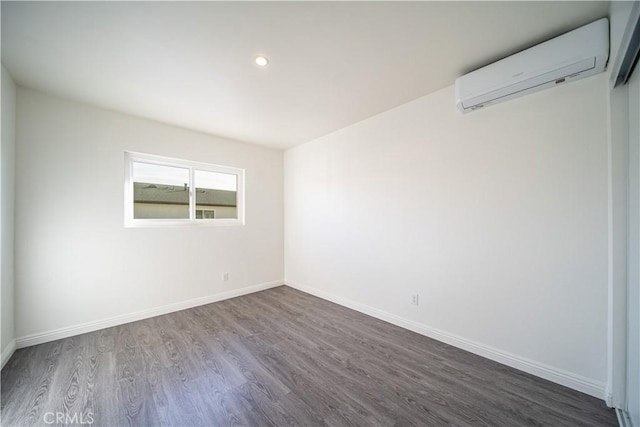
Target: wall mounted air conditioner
571,56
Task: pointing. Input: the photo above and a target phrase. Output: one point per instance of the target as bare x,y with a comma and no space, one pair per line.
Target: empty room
320,213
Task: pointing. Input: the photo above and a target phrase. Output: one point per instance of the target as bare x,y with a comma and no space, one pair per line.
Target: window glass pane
160,192
216,195
205,214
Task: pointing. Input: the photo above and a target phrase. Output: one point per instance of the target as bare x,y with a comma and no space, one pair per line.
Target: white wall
7,153
75,261
498,219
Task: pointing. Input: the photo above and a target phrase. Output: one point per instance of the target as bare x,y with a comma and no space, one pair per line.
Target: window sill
159,223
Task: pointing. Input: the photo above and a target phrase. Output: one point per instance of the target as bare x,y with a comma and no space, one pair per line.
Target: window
205,213
160,191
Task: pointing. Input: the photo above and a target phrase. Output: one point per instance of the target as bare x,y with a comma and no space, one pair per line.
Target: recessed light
262,61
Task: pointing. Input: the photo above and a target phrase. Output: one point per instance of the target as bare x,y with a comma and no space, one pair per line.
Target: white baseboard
56,334
608,396
623,418
7,352
559,376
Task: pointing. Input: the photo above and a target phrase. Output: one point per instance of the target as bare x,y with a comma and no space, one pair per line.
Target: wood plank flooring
278,357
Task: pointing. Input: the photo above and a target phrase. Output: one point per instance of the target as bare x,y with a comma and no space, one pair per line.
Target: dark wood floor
278,357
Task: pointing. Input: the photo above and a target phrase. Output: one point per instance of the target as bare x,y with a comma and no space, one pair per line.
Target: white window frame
130,221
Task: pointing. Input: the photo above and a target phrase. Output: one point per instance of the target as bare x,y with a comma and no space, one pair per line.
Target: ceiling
332,64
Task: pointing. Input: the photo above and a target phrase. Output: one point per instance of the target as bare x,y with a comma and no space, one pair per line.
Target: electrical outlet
415,299
225,276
